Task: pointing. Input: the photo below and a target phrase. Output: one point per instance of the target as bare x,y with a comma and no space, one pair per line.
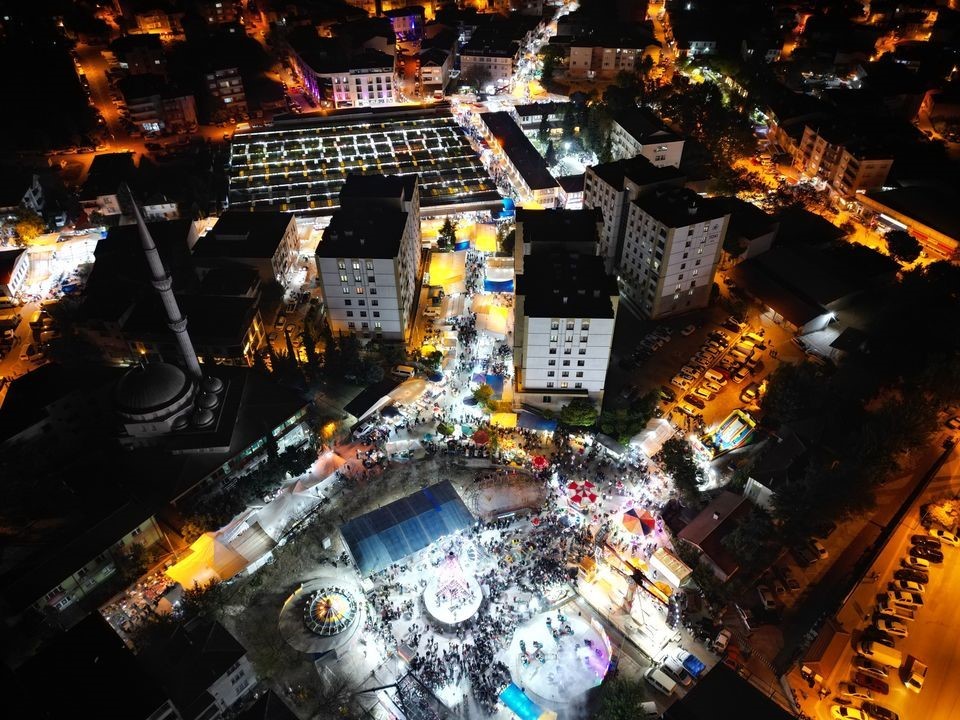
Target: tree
579,412
550,156
543,132
445,429
483,395
623,423
620,699
29,226
677,461
551,55
568,122
795,391
753,541
447,237
903,246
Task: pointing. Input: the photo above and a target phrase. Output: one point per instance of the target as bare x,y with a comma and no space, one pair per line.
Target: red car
868,681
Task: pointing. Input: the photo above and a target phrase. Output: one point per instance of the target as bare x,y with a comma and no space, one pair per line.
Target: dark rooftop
572,183
356,233
107,173
95,676
529,163
559,225
645,127
566,285
241,234
377,186
723,695
269,706
538,109
679,207
639,170
229,279
935,208
367,397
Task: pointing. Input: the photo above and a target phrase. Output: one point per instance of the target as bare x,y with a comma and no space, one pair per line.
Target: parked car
740,375
688,330
819,549
879,712
667,394
953,423
907,586
891,626
849,689
787,577
695,401
703,393
902,597
688,409
915,562
713,387
750,393
869,681
929,554
926,541
943,536
804,556
721,641
845,712
870,667
766,598
910,574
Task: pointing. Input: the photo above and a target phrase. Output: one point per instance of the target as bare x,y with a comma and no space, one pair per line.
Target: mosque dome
212,384
208,400
151,388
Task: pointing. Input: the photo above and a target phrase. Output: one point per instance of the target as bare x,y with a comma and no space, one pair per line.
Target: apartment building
488,60
672,244
434,72
226,93
640,132
595,58
845,164
368,263
266,241
551,231
155,106
610,187
564,315
526,168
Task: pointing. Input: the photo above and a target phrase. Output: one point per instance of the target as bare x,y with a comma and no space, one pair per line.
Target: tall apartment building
610,187
338,79
671,248
551,231
368,263
227,95
564,316
487,60
593,57
155,106
847,165
640,132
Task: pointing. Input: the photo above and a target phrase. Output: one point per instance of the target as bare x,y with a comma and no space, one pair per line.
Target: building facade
846,166
564,315
640,133
14,268
489,62
369,264
227,95
672,245
603,61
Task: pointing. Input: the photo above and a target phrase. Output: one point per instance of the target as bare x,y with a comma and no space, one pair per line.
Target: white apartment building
671,248
592,60
564,316
489,62
641,133
368,262
609,187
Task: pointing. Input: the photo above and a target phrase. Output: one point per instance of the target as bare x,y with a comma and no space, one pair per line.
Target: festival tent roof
653,436
382,537
504,419
532,421
209,560
639,523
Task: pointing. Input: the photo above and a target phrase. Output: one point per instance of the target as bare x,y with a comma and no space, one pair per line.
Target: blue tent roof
382,537
532,421
498,285
521,705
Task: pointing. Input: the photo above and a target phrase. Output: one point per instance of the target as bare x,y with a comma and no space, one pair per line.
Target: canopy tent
291,504
481,437
531,421
399,446
209,560
388,534
447,270
639,523
670,566
504,420
486,237
653,436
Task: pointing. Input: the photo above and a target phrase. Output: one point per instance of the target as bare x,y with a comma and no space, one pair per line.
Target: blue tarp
693,665
498,285
382,537
532,421
462,245
522,706
509,208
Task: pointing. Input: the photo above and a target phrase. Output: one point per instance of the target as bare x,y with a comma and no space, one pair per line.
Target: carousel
322,616
452,596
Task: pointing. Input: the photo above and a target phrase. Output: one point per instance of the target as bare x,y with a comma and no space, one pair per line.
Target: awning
670,567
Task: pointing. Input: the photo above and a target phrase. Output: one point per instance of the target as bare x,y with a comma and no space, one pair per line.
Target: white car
702,392
845,712
907,586
680,382
713,387
943,536
721,642
918,563
766,597
891,626
849,689
688,330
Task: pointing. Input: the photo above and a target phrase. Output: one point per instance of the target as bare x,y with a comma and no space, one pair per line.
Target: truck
913,673
885,607
891,657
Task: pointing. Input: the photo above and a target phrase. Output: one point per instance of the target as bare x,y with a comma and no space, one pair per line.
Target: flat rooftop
566,285
524,156
300,167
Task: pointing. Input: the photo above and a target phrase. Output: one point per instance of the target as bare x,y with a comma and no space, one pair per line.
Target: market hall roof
388,534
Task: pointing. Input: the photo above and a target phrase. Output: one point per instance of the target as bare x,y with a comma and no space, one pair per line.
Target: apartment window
555,325
580,363
375,303
343,277
348,301
351,325
369,265
349,313
565,374
552,363
346,290
551,373
363,314
365,325
566,363
564,386
341,264
570,325
585,326
584,338
378,326
579,373
356,277
578,385
376,314
371,279
359,290
553,351
549,384
566,351
569,337
356,264
582,351
554,337
547,399
373,291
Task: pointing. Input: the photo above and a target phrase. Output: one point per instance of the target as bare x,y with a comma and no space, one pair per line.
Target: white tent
653,436
293,502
